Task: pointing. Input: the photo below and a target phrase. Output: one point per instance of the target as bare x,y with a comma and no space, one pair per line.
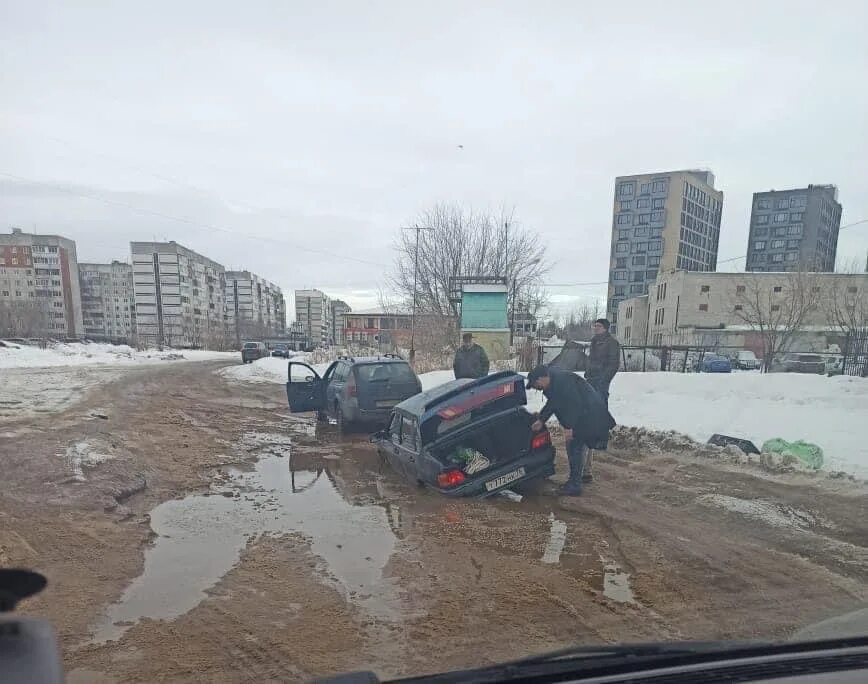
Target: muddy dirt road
192,530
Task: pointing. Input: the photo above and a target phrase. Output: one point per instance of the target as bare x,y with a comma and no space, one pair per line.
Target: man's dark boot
576,457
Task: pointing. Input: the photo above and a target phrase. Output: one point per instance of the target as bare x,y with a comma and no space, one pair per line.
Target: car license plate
517,474
386,404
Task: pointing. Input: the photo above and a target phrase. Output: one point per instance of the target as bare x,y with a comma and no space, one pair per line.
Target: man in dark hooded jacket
471,361
604,358
579,410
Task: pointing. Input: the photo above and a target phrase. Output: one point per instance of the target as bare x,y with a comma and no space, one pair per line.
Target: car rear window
809,358
385,372
251,345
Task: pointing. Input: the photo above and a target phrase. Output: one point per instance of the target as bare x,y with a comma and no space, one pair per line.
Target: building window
623,219
759,244
651,274
796,216
657,203
792,244
626,189
792,256
644,188
764,204
781,217
799,201
624,234
622,247
621,262
639,247
778,244
619,290
777,257
762,219
643,203
656,215
638,276
739,289
658,186
794,230
644,218
738,307
626,205
640,231
783,204
780,231
703,307
638,260
655,245
653,260
761,231
705,288
620,275
852,290
637,289
775,307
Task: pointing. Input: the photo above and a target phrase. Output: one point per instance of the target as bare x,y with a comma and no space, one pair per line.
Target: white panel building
107,302
255,307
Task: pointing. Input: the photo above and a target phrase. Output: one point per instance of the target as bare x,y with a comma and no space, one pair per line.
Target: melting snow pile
14,355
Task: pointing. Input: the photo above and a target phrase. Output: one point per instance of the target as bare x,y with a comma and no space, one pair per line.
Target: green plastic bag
809,454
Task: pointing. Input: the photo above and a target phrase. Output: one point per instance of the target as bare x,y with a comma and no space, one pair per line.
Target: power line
187,221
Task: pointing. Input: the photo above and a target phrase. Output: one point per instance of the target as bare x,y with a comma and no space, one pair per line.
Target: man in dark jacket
471,361
604,357
579,410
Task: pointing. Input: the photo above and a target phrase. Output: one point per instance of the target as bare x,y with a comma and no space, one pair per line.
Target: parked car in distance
714,363
746,360
280,350
467,437
353,391
799,363
250,351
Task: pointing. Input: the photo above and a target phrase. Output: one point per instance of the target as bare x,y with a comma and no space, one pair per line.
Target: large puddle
199,539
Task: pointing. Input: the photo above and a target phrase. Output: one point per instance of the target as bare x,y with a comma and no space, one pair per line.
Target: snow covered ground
830,412
270,369
78,354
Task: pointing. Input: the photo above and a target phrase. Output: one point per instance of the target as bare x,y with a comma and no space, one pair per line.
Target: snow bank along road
34,380
191,529
830,412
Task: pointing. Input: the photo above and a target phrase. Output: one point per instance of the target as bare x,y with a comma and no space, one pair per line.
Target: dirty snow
773,514
82,455
271,369
79,354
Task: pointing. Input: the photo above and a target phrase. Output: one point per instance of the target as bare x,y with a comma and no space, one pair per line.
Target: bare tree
846,302
24,318
579,323
461,242
776,309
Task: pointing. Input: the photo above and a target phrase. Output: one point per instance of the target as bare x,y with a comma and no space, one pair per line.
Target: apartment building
338,309
792,229
313,313
711,309
107,301
661,221
39,288
255,307
180,296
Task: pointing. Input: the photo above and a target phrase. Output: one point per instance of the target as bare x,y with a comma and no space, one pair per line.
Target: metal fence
855,354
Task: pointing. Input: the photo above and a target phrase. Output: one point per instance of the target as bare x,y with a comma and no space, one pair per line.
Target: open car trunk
498,439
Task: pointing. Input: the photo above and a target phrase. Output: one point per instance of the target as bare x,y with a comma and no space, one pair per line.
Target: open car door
305,389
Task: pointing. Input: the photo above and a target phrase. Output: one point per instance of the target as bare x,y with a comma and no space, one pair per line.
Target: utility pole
415,294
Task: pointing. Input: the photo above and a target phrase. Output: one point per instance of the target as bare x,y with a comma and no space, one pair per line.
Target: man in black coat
604,357
471,361
579,410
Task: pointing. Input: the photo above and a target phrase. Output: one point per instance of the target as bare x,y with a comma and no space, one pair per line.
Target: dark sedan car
467,437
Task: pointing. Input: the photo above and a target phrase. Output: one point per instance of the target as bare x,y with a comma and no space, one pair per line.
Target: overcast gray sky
275,126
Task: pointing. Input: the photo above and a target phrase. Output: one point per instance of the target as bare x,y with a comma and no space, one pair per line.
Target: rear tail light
352,390
541,439
451,478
